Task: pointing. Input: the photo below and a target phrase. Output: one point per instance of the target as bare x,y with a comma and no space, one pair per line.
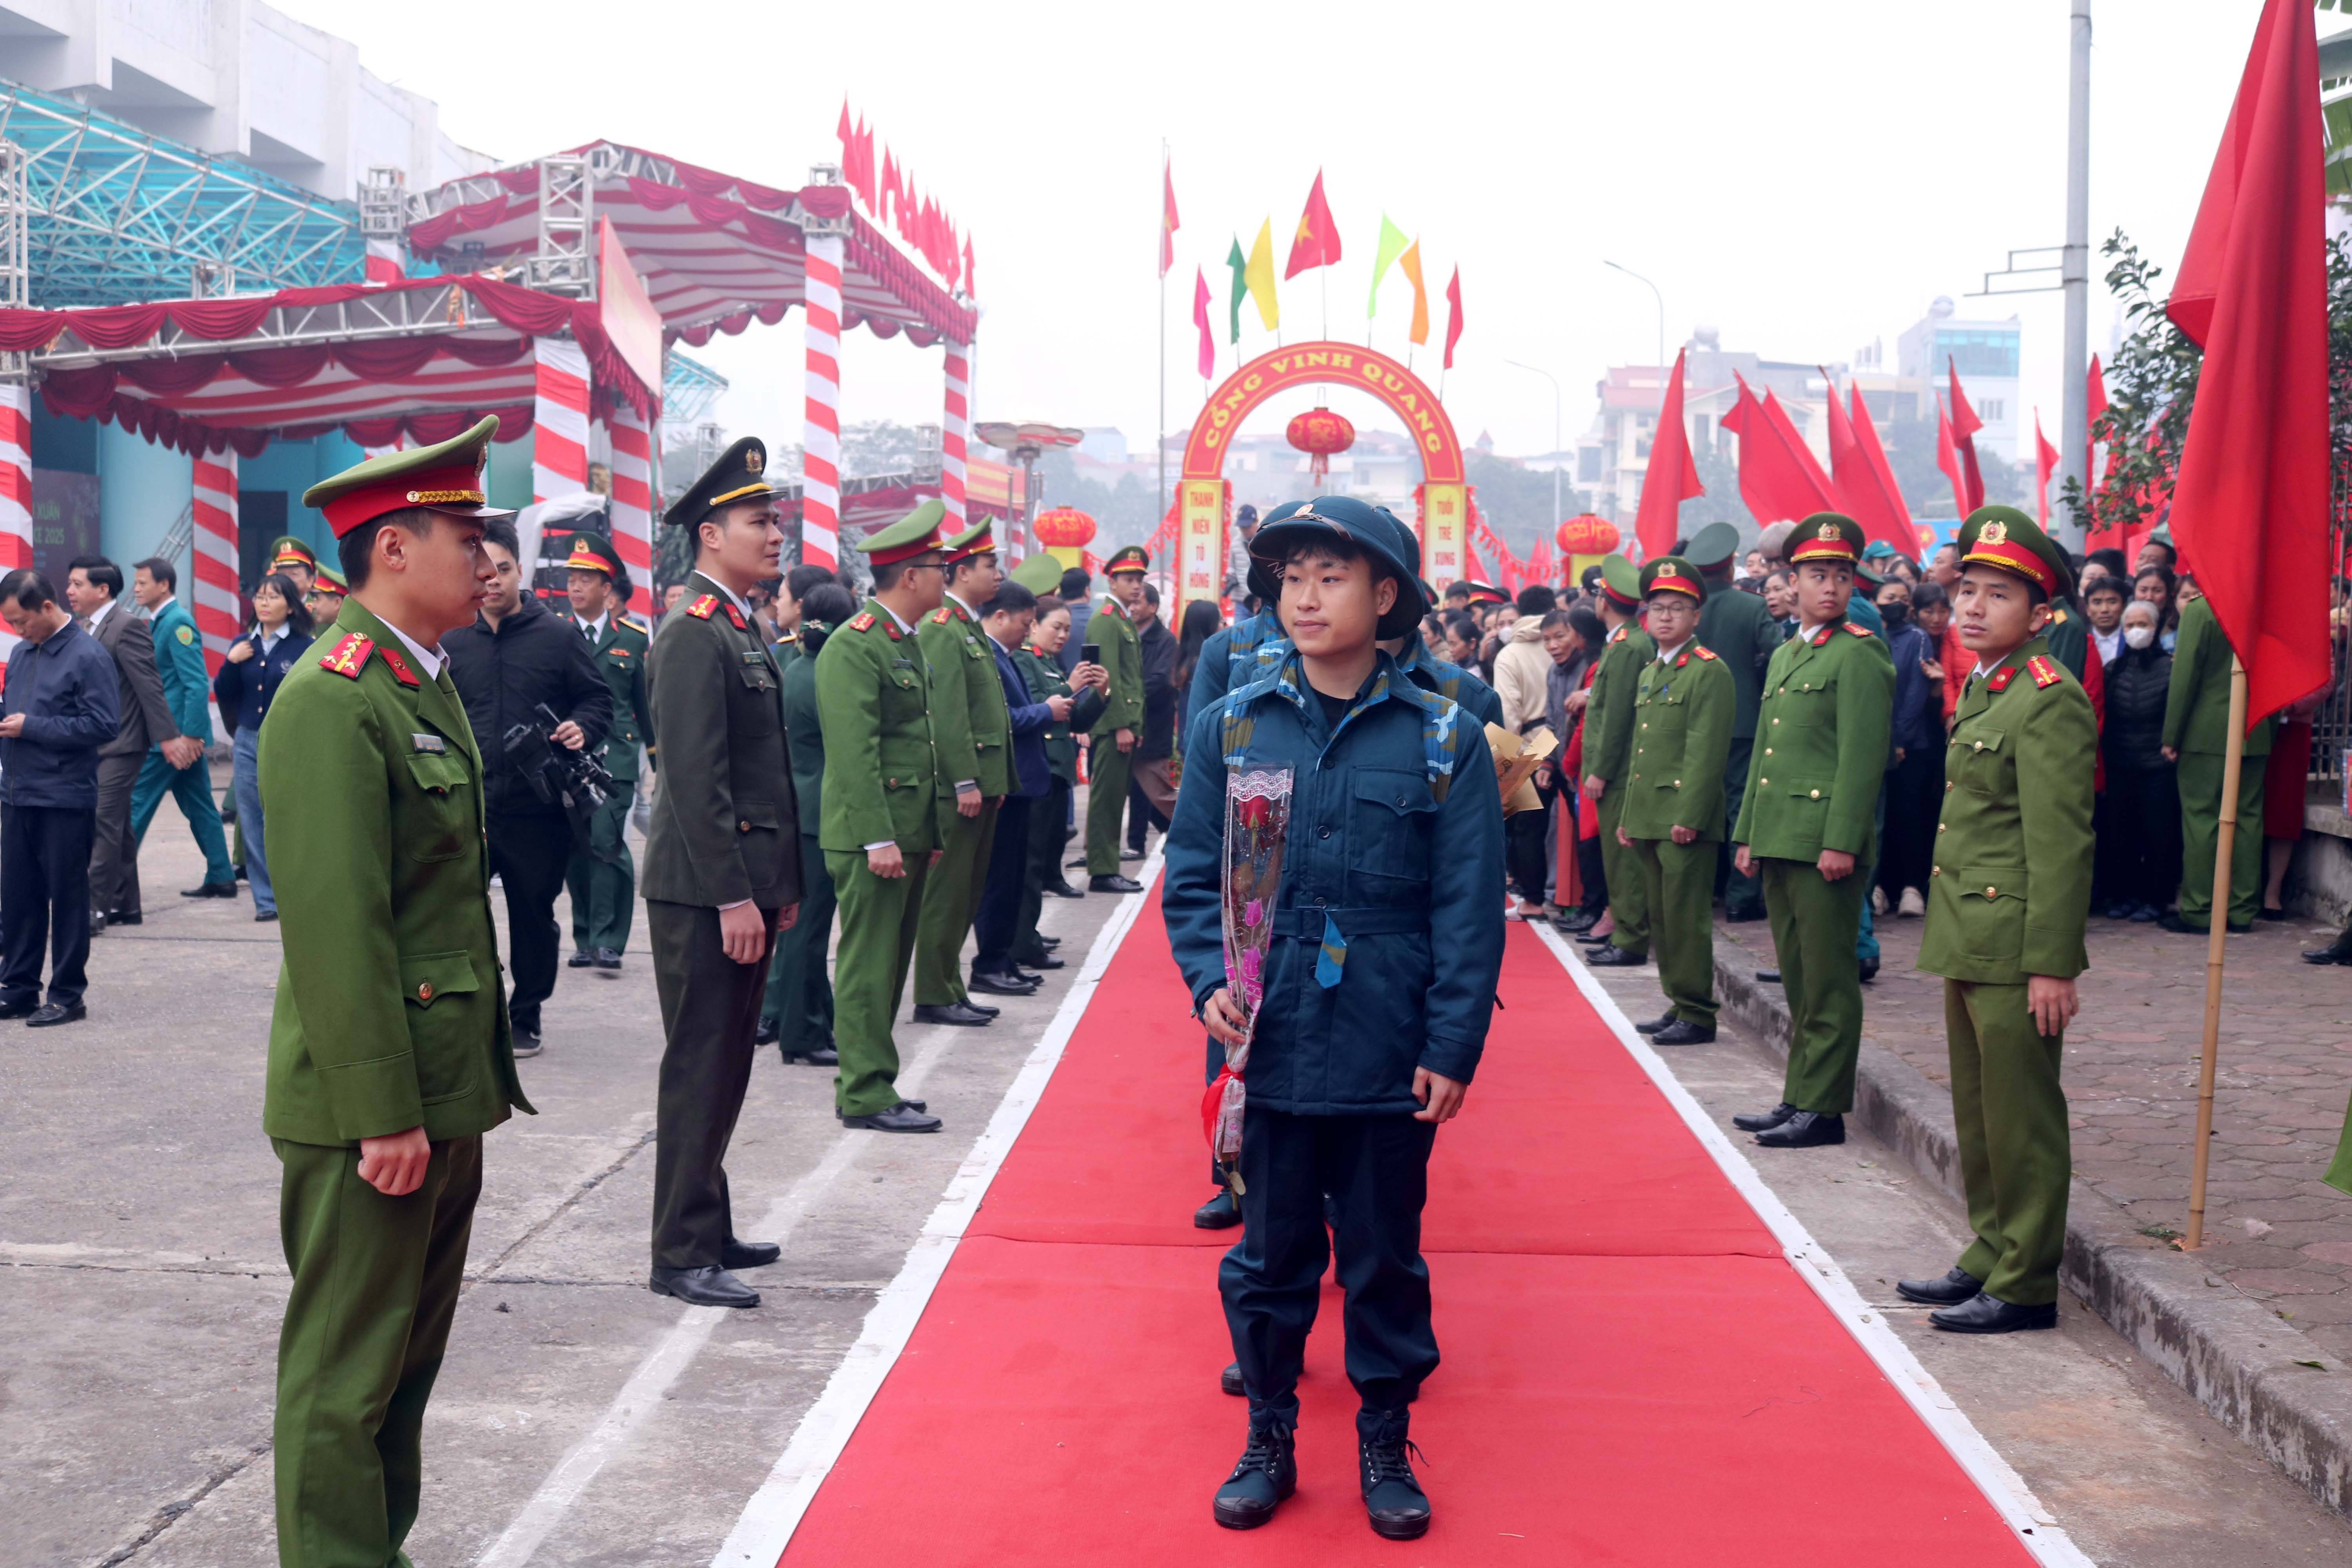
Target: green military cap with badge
2004,537
1672,575
327,580
916,534
738,475
1130,558
445,477
980,539
288,551
1040,573
1826,536
1620,580
1712,546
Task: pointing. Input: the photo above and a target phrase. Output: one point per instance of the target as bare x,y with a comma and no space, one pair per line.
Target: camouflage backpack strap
1240,718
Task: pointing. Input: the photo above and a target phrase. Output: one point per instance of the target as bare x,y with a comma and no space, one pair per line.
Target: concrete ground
582,1420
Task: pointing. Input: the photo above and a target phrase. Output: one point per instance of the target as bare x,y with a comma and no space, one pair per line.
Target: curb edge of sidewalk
2233,1355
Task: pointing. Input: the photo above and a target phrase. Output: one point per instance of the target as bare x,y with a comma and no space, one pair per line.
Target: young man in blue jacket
1371,1025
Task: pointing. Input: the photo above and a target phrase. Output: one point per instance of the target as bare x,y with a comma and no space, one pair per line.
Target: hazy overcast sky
1804,177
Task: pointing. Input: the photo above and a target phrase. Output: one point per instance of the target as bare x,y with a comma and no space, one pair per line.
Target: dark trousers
800,989
530,851
1049,835
1743,897
1141,815
45,902
1915,803
1376,1171
2138,829
1523,853
115,854
997,922
710,1009
604,880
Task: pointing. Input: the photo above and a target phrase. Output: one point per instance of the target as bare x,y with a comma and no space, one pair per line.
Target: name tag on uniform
428,742
755,657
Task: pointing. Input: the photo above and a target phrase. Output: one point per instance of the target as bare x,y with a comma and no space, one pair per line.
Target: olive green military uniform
800,988
1608,752
881,783
1812,785
1737,628
1108,767
602,877
2197,725
1681,731
1047,833
972,733
390,1015
725,831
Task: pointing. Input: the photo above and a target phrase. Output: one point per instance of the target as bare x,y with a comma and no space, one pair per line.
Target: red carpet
1632,1374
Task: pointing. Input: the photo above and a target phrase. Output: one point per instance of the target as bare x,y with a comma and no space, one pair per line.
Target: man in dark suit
93,587
1007,618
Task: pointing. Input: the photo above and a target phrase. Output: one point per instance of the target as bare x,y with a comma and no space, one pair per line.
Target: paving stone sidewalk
2274,1232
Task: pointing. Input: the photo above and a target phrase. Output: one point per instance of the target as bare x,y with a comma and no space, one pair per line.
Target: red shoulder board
399,665
944,615
1705,653
735,615
862,621
702,609
1858,631
2045,672
2000,678
349,656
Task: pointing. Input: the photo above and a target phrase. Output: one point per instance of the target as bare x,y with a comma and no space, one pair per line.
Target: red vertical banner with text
1199,569
1444,532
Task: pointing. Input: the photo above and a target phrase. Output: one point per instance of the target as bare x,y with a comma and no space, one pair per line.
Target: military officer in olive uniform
2007,899
602,878
1683,708
1110,762
1738,629
389,1056
1808,822
723,869
1608,757
2197,735
880,818
972,734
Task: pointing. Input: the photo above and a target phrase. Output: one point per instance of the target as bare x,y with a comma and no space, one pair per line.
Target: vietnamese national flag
1779,478
1965,426
2046,463
1201,320
1168,220
1454,333
1672,476
1948,457
1317,243
2249,503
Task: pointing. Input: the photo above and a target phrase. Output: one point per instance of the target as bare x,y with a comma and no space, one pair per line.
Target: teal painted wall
141,491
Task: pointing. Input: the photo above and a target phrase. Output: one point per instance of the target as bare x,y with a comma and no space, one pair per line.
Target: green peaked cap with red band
446,477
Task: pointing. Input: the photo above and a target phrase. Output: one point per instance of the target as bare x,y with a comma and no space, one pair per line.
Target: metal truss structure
390,313
119,216
566,262
689,391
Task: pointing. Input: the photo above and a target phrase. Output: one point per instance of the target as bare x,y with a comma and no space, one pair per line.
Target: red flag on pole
2249,503
1672,476
1168,220
1948,457
1779,478
1201,320
1453,323
1317,243
1965,426
2046,463
1895,513
1864,483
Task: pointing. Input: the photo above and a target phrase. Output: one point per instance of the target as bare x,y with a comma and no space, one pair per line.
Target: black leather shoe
709,1286
1654,1025
1113,883
1220,1213
579,960
526,1044
1764,1120
768,1031
1983,1314
1682,1032
115,919
1953,1289
983,1008
1805,1130
2171,920
1767,977
1394,1501
1266,1473
18,1009
1061,888
1577,921
1000,982
2327,955
607,959
961,1014
1132,852
1869,969
748,1253
1048,962
818,1056
1049,942
1615,957
265,914
900,1118
1590,937
2234,929
1230,1380
210,890
42,1017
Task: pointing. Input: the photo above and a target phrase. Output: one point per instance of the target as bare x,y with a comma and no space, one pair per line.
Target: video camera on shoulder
558,775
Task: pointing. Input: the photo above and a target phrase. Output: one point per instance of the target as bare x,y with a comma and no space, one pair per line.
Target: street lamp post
1555,433
1661,307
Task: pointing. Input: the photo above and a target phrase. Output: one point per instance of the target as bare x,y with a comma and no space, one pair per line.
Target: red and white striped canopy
718,252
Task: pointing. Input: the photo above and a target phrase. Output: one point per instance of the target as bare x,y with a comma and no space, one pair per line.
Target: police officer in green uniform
2196,734
602,877
325,599
1738,629
880,822
971,734
1683,707
295,558
723,869
1608,757
1807,827
2007,899
389,1056
1111,762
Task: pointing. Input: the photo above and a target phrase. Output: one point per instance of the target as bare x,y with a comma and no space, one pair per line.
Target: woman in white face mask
2138,821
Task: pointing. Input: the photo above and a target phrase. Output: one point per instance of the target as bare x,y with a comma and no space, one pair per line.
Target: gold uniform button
1935,870
742,828
1943,828
1989,892
1979,746
1637,778
1763,780
1678,784
425,991
1947,789
1767,750
1817,795
1776,721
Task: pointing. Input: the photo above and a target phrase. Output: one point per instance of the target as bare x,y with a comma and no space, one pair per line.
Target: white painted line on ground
676,1351
2036,1531
768,1521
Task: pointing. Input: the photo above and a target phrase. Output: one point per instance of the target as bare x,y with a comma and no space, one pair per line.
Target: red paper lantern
1587,535
1318,432
1063,527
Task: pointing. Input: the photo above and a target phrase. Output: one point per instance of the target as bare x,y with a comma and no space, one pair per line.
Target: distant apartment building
1986,352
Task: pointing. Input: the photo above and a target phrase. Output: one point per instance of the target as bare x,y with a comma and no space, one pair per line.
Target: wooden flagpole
2225,843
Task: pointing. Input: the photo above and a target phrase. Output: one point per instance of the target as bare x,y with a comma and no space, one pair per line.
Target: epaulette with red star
2045,672
1705,652
705,607
397,665
349,656
862,621
1858,631
2000,678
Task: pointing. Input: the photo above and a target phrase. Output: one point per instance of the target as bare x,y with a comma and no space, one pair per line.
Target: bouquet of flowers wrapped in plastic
1257,817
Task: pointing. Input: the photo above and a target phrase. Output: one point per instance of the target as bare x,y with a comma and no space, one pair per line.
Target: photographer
515,657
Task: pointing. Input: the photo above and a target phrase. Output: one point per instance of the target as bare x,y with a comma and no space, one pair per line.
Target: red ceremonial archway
1201,491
